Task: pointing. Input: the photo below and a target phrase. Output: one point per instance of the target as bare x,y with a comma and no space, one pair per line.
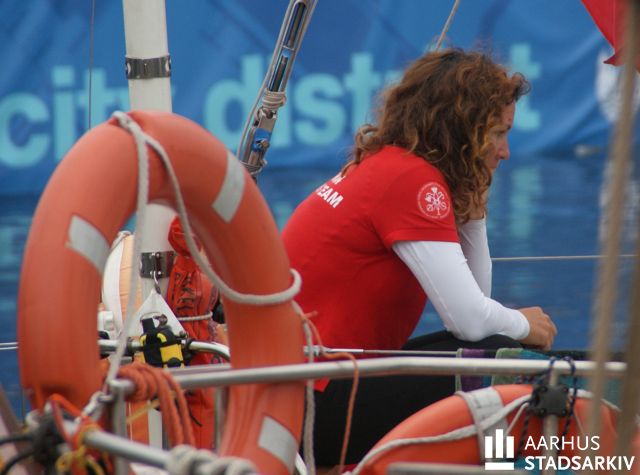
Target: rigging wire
447,25
92,26
558,258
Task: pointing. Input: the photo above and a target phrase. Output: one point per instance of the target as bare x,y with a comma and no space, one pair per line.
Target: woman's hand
542,331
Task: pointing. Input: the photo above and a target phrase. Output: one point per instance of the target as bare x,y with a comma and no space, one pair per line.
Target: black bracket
549,400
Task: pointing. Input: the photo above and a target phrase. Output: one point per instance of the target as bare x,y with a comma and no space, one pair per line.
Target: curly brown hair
442,109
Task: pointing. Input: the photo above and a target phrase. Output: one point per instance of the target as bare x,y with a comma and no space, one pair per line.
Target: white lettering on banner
322,102
321,109
520,55
329,195
31,128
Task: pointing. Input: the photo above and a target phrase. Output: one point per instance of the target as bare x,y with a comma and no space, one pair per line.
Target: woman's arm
475,247
442,270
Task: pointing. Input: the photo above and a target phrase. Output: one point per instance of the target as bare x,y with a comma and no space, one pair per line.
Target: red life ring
88,200
453,413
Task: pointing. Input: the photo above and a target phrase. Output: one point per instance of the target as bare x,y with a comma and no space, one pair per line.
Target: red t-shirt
340,239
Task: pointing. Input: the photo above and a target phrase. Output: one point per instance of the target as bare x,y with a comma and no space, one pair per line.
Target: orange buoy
453,413
88,200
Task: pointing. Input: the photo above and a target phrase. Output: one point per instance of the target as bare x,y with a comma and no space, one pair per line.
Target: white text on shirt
329,195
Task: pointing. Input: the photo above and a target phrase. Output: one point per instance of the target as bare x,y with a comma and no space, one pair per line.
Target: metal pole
129,449
147,52
119,421
256,135
203,346
550,428
145,29
221,375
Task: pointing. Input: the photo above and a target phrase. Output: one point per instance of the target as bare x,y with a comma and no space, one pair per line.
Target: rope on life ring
88,200
453,430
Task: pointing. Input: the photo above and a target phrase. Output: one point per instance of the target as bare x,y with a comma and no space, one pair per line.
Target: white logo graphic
499,452
433,201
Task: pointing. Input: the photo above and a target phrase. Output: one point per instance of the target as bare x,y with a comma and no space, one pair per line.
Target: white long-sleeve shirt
457,280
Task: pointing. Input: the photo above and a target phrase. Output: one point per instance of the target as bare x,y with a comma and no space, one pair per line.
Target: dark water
540,206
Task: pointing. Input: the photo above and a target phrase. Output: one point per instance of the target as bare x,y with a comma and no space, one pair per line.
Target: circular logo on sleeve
433,200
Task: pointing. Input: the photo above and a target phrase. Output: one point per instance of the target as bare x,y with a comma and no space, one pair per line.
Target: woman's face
499,138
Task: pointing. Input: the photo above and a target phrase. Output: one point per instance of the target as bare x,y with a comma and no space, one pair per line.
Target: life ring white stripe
227,202
483,403
276,439
88,241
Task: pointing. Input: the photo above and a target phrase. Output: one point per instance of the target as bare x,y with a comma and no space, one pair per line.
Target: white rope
142,199
457,434
195,318
516,418
447,25
606,285
624,141
310,403
585,394
273,100
249,299
579,424
185,460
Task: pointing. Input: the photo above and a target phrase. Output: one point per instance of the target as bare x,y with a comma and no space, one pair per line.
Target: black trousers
383,402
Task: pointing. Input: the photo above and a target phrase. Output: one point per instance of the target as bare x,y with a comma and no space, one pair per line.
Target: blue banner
545,201
220,51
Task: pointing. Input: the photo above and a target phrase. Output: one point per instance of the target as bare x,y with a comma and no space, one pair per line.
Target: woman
405,220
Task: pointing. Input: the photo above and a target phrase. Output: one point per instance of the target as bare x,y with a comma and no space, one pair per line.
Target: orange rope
354,387
151,382
79,453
